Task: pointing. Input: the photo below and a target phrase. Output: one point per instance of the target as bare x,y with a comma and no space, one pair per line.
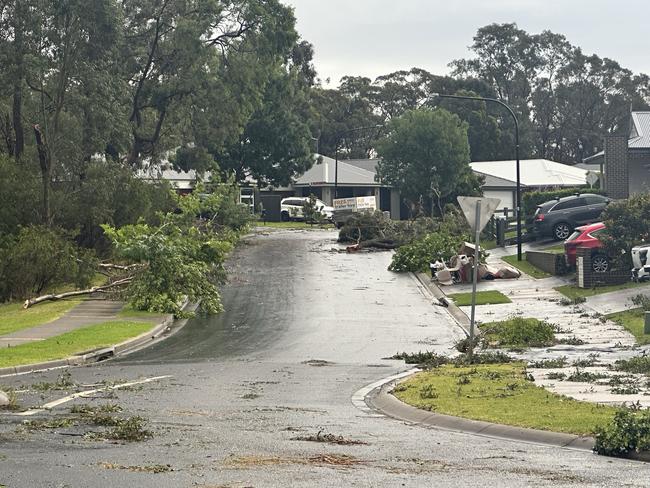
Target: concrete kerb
101,354
376,399
434,290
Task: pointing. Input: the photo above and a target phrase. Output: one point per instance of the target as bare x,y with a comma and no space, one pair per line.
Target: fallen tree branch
120,267
53,297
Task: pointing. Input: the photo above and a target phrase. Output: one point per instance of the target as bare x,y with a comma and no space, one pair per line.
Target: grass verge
633,321
525,266
491,297
128,312
71,343
13,317
572,291
500,393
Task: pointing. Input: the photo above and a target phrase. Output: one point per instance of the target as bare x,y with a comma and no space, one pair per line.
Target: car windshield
574,236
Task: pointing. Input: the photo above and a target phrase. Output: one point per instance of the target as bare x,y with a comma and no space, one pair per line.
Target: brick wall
616,167
551,263
591,279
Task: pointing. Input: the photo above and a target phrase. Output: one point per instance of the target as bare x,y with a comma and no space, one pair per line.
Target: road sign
487,208
592,178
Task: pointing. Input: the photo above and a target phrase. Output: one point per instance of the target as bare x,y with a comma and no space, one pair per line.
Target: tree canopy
425,155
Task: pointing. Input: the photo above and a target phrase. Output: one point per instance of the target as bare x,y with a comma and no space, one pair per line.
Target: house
535,174
625,159
355,178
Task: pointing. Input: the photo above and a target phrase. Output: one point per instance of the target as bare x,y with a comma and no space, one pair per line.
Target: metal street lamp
339,136
514,117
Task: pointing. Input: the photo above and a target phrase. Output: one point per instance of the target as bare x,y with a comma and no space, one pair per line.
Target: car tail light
539,217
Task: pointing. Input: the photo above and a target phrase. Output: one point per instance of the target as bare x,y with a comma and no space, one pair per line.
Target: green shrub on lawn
519,332
628,432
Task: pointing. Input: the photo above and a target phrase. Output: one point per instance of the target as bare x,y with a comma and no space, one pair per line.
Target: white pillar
378,198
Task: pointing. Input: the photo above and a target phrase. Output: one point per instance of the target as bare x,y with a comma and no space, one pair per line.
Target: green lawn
14,317
572,291
500,393
525,266
71,343
128,312
519,332
491,297
633,321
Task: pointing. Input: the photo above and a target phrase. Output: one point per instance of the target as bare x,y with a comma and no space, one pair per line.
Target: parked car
557,218
291,208
587,236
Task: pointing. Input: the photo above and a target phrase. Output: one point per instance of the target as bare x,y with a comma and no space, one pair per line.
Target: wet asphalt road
304,328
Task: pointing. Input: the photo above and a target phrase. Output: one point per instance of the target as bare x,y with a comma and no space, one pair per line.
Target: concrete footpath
89,312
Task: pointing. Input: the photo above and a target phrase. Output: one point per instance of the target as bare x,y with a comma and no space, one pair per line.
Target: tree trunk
19,53
46,171
61,296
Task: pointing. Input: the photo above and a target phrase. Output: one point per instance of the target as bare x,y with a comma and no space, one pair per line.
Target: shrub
519,332
626,225
641,301
627,433
39,257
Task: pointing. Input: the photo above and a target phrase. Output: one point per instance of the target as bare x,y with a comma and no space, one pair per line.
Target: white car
291,208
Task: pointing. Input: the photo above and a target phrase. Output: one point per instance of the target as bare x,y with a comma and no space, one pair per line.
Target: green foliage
181,258
417,255
488,297
639,364
627,224
426,157
39,257
530,200
519,332
310,210
628,432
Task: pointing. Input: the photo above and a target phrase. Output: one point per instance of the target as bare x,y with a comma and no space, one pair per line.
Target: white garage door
506,197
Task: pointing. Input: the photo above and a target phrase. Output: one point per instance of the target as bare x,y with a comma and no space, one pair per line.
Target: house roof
181,180
367,164
496,182
640,131
534,172
639,137
323,171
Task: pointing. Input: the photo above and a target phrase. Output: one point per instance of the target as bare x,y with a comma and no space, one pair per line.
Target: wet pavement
304,329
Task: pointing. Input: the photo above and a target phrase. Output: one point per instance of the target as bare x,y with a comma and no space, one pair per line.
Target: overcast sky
376,37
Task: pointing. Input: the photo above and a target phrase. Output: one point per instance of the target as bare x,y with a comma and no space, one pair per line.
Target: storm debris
151,468
318,362
329,438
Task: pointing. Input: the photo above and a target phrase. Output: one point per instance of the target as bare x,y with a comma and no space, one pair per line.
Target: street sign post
478,211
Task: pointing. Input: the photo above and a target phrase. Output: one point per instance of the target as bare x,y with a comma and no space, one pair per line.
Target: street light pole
339,136
514,117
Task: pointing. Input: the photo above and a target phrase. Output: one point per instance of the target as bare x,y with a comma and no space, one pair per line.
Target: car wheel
561,231
600,263
285,216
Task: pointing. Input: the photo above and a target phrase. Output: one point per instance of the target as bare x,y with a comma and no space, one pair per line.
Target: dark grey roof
496,182
640,132
367,164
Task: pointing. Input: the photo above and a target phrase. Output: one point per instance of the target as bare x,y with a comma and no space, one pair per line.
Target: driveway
305,327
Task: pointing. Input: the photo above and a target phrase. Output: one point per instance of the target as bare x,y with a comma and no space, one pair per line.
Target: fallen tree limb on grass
60,296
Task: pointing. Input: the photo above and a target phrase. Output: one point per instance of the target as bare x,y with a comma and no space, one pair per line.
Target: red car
587,236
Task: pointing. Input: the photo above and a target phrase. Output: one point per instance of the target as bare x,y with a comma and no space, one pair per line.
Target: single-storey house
356,178
535,174
625,160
